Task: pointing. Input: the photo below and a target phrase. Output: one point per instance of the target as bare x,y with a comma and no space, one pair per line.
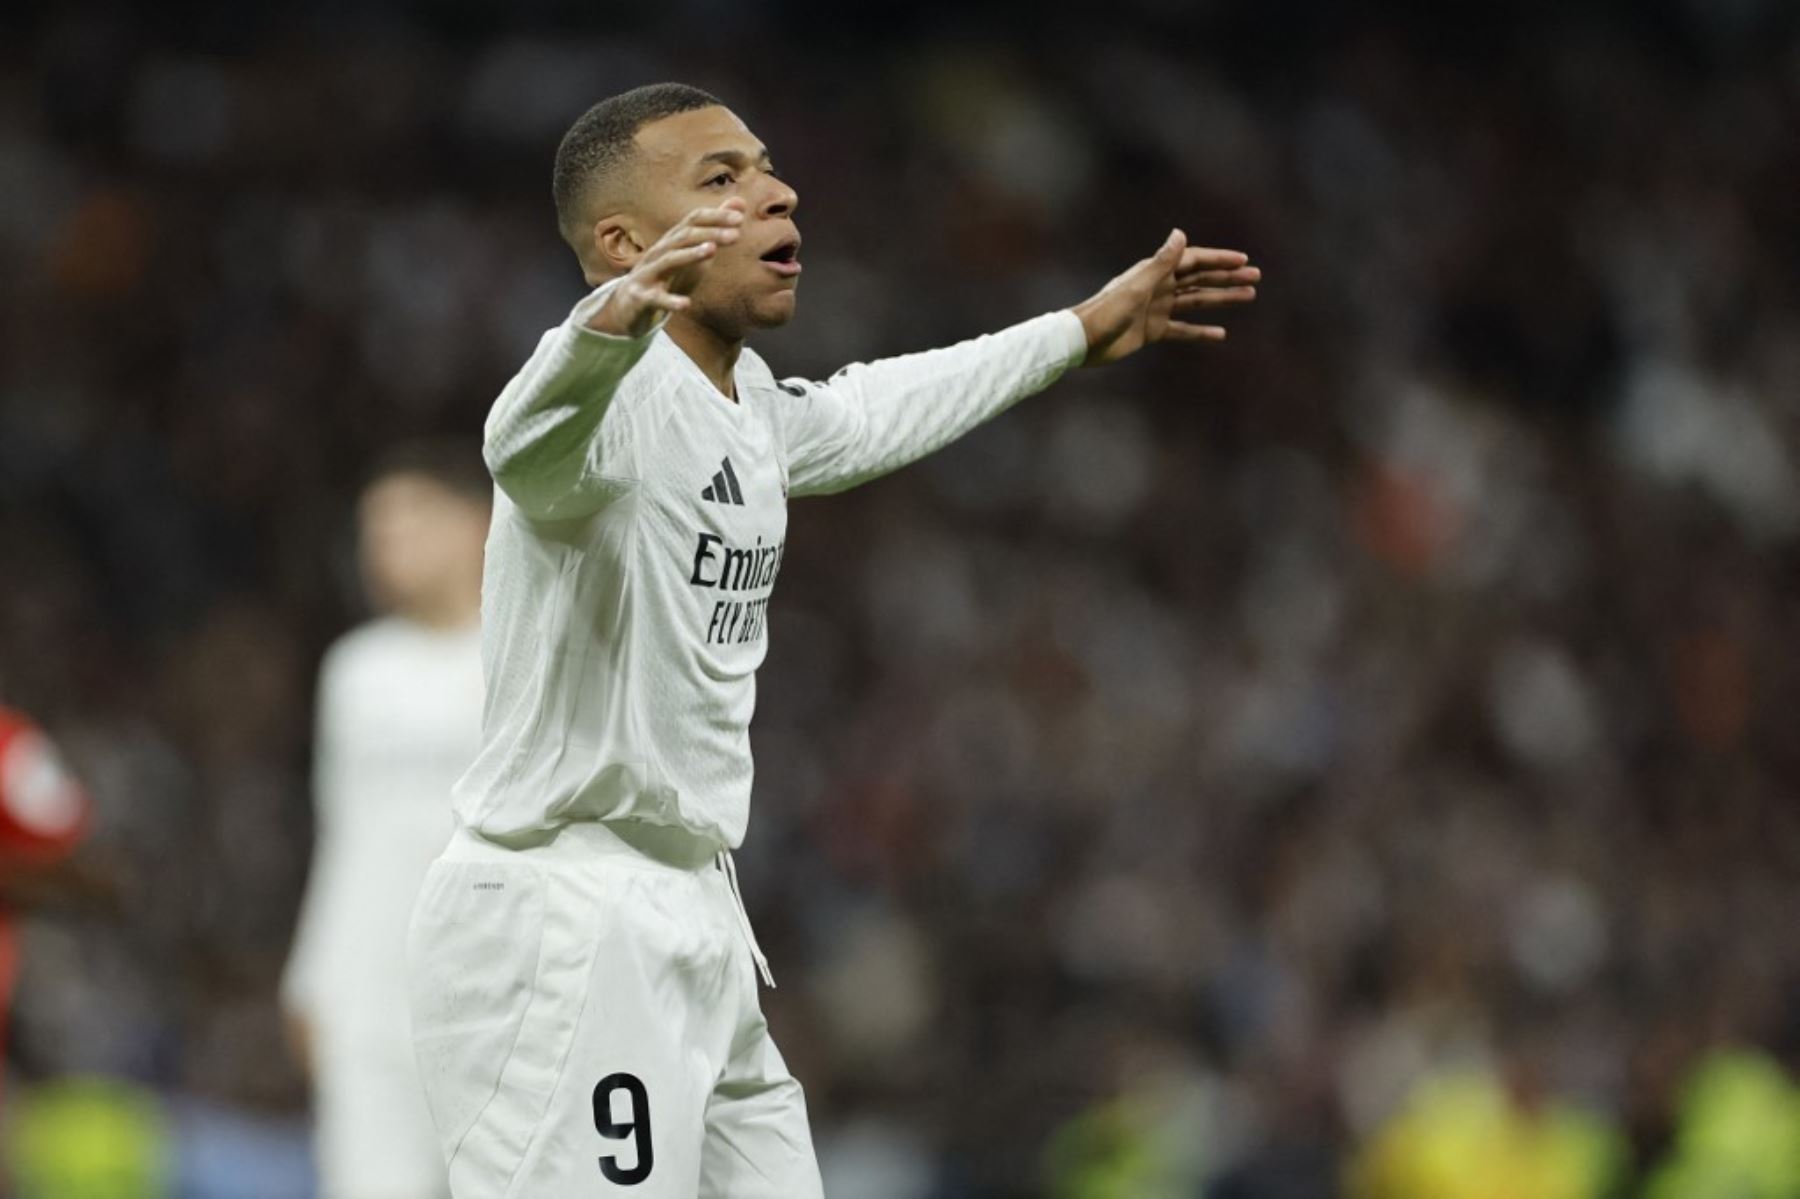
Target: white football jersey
638,532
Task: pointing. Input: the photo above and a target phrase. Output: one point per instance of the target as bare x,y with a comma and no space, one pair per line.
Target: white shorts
586,1022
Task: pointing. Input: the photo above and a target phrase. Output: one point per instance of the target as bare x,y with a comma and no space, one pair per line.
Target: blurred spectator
1464,1135
1739,1133
94,1137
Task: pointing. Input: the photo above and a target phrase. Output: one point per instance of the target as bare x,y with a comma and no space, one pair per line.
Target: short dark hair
450,462
602,138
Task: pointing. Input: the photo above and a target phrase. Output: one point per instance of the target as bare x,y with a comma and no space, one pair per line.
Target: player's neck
453,609
714,354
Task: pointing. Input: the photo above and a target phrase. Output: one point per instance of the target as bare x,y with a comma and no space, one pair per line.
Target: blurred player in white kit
583,973
399,718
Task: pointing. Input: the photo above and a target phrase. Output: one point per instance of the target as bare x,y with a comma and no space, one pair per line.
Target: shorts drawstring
737,896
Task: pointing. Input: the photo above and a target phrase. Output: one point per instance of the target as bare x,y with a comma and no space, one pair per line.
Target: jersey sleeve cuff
1070,337
588,305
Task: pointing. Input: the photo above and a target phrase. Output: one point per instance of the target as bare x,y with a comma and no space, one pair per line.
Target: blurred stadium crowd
1256,773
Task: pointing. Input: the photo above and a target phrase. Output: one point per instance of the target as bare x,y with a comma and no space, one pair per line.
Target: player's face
701,159
419,541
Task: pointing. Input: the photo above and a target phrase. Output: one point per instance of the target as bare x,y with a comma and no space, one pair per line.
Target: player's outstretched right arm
553,442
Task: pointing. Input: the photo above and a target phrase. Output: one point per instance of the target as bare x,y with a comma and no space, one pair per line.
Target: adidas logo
724,489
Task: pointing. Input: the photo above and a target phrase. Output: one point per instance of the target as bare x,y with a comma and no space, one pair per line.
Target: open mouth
784,259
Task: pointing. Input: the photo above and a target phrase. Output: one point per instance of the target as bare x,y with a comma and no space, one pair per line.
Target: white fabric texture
584,981
638,530
399,713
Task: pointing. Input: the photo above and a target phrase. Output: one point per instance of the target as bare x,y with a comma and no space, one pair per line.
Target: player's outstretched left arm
1158,298
871,418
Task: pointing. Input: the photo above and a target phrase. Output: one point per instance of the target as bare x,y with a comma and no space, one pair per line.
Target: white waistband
625,842
634,841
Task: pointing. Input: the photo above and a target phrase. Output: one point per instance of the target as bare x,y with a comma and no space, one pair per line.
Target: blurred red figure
43,814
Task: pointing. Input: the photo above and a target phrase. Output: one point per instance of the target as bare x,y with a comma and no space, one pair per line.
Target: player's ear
617,245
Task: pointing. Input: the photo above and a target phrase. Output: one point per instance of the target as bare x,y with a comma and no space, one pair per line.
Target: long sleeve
557,441
870,419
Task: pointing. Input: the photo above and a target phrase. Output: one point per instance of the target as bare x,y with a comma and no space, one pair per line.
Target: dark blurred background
1268,771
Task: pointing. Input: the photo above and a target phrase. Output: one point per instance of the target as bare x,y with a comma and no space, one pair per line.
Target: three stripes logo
724,488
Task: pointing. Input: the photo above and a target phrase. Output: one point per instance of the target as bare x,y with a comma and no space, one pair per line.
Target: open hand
1153,300
668,271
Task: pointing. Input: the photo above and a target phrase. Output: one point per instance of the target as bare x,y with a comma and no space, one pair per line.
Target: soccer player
583,973
399,718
